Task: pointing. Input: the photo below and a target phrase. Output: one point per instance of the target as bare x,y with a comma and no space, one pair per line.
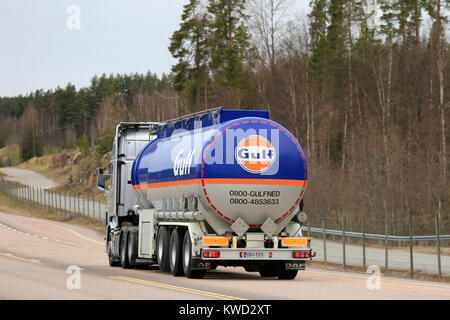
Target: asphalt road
28,177
36,254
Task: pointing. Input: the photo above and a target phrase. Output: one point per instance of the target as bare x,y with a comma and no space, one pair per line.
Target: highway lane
35,254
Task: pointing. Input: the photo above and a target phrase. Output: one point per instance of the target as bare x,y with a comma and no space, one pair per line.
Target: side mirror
101,179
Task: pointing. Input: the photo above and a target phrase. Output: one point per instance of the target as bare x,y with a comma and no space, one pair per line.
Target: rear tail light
211,254
301,254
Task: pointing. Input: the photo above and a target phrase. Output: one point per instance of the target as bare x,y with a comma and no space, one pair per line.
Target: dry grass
15,207
42,165
9,155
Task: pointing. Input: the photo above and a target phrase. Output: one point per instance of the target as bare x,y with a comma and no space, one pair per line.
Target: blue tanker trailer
215,188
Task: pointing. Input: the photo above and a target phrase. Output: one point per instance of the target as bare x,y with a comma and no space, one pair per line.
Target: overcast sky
43,44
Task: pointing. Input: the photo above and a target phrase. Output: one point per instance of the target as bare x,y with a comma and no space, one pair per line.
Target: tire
132,249
187,259
267,270
283,274
175,258
162,249
125,264
113,262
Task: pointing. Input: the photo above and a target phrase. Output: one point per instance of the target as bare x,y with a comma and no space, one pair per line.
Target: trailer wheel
162,249
175,257
187,259
283,274
113,262
124,251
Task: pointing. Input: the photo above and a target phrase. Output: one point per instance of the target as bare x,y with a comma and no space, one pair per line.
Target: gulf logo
255,154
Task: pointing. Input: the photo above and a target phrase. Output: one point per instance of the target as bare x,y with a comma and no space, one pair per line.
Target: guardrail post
93,206
88,211
411,244
79,208
364,241
386,256
343,242
309,229
100,213
324,242
438,243
33,203
59,203
53,201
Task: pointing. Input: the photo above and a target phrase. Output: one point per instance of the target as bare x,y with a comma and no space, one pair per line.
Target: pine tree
229,43
318,33
189,45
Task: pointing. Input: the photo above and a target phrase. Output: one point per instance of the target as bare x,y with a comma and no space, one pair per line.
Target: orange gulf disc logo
255,154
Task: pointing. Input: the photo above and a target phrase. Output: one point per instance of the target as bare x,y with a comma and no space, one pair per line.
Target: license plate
252,255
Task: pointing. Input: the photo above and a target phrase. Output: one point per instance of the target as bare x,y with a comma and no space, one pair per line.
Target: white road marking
75,233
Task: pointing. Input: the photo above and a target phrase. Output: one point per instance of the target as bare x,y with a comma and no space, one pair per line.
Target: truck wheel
123,252
267,270
113,262
132,248
187,259
175,258
162,249
283,274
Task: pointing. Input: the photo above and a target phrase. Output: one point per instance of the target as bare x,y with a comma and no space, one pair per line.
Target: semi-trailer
213,188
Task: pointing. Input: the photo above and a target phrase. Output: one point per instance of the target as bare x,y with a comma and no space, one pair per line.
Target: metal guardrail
383,238
375,236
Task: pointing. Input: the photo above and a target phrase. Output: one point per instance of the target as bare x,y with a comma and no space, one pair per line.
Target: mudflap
199,264
294,265
142,262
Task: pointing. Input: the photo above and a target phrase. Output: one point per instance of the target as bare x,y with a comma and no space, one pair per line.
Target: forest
362,84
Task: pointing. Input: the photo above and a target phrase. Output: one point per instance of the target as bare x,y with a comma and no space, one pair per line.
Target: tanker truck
213,188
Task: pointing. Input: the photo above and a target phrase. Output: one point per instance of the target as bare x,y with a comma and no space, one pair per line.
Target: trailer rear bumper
256,254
